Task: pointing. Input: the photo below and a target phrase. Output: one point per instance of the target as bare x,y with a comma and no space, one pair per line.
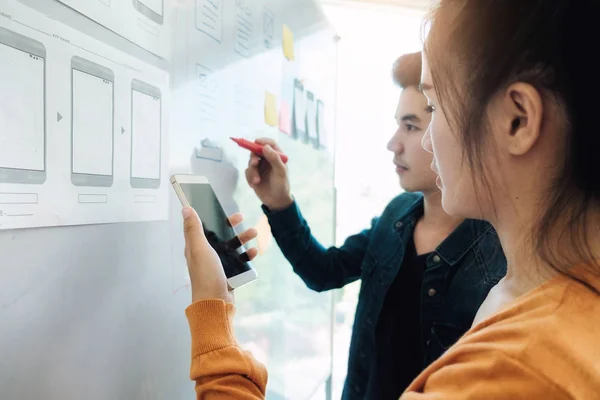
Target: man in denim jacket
424,274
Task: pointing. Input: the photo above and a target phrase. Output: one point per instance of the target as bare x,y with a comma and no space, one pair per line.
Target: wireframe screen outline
20,174
151,91
81,65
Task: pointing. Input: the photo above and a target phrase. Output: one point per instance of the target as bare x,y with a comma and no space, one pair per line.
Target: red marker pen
257,148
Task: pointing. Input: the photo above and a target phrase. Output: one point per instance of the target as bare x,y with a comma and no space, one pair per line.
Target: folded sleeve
220,368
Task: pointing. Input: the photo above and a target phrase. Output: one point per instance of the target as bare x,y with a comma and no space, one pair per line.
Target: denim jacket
457,278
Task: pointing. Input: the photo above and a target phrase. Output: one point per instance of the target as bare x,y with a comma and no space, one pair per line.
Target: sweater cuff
289,219
211,325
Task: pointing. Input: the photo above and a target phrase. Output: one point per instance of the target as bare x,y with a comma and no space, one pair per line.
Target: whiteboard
218,92
107,300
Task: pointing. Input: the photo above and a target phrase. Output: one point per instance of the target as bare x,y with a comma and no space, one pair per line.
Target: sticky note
288,43
284,118
270,109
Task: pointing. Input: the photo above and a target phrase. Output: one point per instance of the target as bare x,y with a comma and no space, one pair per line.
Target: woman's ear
523,111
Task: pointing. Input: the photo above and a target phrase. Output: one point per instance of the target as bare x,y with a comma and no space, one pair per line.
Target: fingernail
187,212
255,181
267,148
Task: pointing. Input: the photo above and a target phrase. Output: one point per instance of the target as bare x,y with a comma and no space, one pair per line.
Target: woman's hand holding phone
207,277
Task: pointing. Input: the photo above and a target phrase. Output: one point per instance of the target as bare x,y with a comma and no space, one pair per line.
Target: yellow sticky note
270,109
288,43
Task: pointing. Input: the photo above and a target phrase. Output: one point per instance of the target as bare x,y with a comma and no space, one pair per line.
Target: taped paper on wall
244,29
94,170
146,23
209,18
299,116
312,135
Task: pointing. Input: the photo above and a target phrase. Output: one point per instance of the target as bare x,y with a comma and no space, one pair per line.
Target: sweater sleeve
219,367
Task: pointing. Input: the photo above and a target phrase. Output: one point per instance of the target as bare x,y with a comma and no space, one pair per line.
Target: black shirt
398,335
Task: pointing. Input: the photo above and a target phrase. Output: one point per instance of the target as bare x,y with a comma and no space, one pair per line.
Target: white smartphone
195,191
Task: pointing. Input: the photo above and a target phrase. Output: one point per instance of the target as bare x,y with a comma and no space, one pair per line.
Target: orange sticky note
288,43
270,109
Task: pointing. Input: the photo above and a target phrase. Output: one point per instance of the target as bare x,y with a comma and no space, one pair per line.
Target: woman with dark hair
514,139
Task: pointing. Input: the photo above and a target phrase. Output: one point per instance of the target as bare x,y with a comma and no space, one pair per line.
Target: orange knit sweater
545,345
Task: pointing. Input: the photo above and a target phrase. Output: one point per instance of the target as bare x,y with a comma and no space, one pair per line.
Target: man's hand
268,177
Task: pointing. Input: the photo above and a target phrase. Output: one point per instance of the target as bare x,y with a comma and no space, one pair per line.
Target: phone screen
219,233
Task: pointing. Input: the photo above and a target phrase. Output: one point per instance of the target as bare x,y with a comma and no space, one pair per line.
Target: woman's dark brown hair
475,48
